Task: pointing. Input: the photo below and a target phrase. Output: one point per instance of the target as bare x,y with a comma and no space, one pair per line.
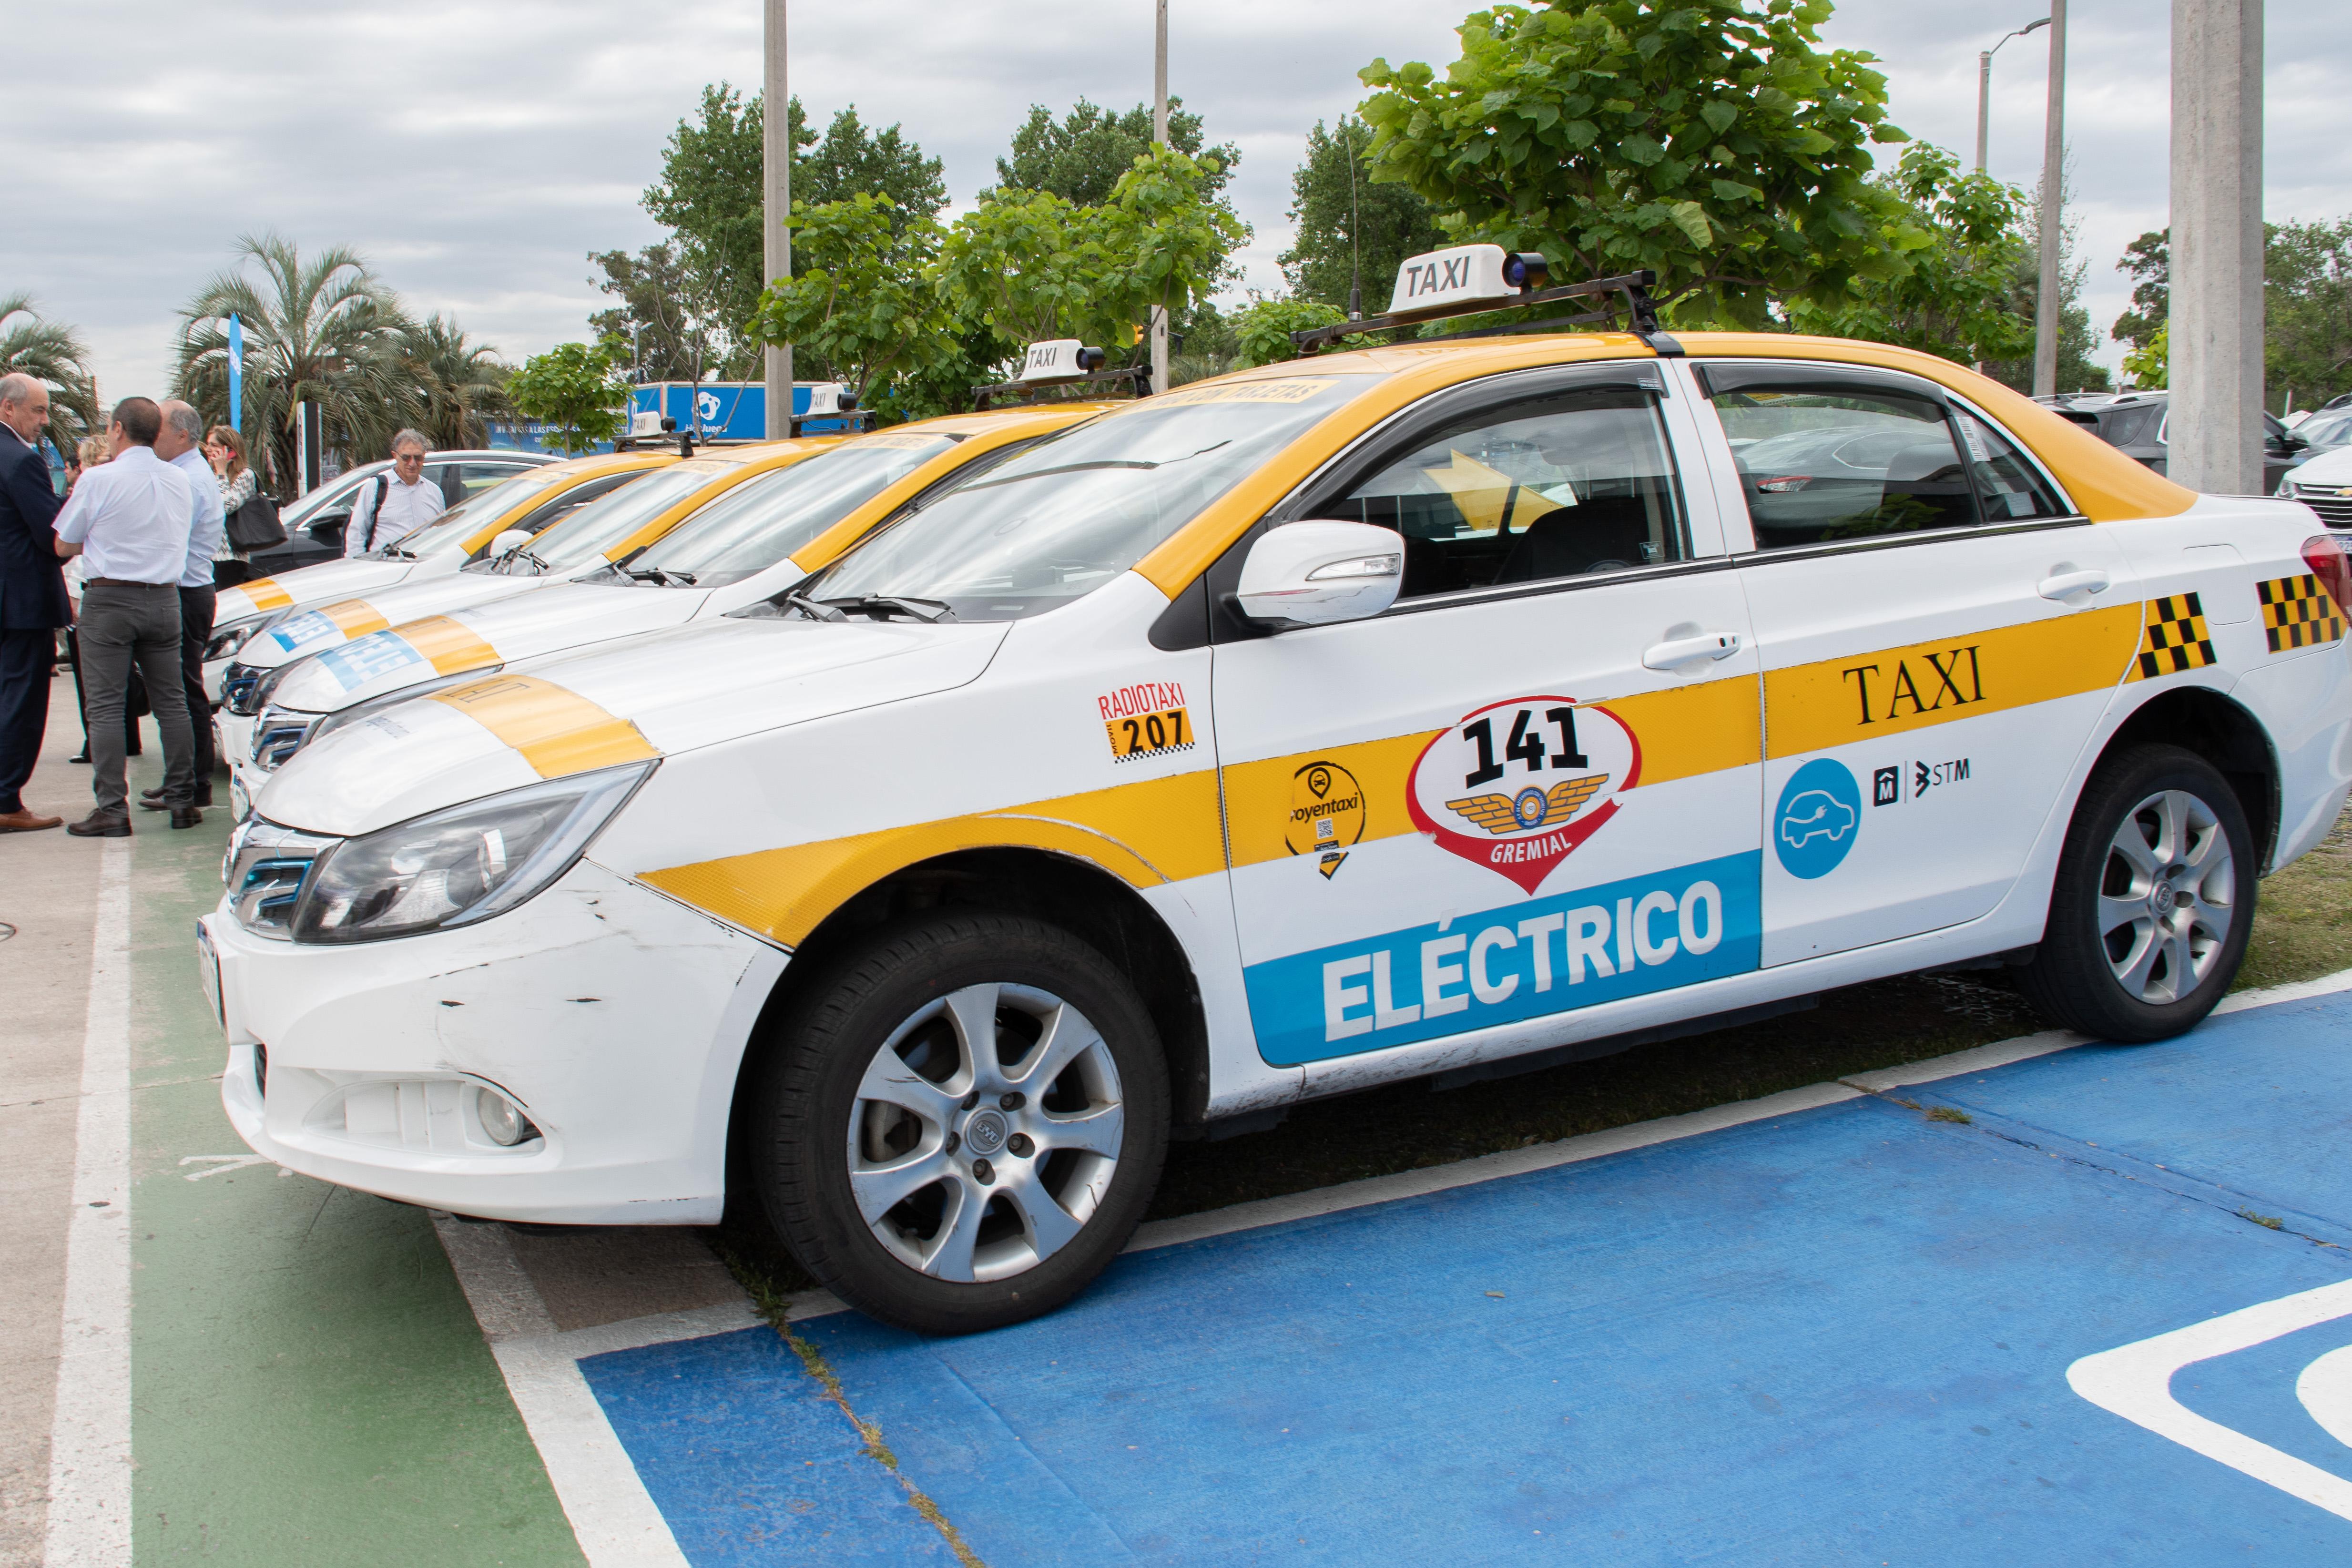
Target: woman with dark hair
225,450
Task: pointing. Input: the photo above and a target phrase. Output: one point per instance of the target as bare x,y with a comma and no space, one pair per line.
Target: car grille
2335,510
239,688
265,869
278,735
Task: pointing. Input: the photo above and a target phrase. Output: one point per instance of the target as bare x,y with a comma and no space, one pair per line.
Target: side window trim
2023,451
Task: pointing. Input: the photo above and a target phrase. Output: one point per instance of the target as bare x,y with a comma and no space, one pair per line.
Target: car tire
943,1188
2152,903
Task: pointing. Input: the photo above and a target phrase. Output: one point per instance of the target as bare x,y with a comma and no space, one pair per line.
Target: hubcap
986,1132
2168,896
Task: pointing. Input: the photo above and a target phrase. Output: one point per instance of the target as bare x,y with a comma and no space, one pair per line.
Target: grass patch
2302,923
1951,1113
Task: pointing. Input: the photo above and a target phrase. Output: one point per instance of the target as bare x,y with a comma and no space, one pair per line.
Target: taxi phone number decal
1146,719
1516,784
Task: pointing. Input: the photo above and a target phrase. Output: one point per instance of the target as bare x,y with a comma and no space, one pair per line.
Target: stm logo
1887,784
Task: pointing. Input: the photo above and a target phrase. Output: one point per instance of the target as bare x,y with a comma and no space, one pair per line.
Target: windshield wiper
929,611
395,552
812,609
655,575
520,553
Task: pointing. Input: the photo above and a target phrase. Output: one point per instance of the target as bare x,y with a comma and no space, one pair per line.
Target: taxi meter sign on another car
1517,785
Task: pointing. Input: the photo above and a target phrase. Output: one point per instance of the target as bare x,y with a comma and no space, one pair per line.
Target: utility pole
2046,320
2216,321
1158,134
1984,85
776,168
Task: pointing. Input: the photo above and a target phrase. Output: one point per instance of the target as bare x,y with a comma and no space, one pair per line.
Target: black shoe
186,817
152,799
79,757
155,793
101,825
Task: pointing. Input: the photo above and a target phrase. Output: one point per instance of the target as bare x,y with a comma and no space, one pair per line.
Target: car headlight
245,687
460,865
228,640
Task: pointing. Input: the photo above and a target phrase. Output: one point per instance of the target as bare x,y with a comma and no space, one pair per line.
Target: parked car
2135,422
314,524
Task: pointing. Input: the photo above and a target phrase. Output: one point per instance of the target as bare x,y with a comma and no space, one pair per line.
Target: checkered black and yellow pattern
2175,638
2298,613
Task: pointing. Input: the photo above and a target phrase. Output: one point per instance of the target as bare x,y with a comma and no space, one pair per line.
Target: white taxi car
1427,709
528,502
760,537
585,540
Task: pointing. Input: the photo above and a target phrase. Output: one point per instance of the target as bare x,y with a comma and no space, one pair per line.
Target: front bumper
615,1018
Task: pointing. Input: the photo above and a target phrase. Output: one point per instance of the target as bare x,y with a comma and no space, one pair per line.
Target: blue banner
236,373
1550,955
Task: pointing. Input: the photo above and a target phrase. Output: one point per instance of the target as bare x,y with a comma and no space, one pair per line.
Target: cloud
477,153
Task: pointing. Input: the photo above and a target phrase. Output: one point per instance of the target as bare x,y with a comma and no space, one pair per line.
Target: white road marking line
1639,1134
221,1163
612,1515
2325,1390
90,1433
2135,1382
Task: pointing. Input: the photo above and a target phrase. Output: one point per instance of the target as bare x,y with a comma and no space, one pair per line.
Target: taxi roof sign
1466,280
1058,359
1063,362
1439,280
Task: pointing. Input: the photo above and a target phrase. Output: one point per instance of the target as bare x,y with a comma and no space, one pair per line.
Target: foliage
2308,310
1167,235
2077,371
1082,157
1326,206
860,293
53,353
2148,259
2149,365
325,330
1710,141
655,316
576,390
1263,330
1956,297
711,193
460,384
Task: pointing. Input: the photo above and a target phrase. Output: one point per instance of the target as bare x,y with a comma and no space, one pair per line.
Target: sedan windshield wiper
395,552
519,554
929,611
812,609
655,575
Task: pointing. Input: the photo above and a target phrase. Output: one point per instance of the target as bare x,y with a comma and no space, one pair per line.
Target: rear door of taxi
1532,784
1940,633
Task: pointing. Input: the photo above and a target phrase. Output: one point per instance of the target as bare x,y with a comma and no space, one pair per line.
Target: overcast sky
475,152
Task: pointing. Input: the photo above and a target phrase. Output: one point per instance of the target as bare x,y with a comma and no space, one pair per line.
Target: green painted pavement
307,1384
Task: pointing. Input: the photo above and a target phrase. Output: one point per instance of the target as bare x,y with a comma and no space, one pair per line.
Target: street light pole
776,170
1160,135
2046,321
1984,85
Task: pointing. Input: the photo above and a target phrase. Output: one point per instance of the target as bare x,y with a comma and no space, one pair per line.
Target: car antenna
1354,231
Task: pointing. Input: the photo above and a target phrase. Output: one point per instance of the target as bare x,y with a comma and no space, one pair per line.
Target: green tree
1165,235
2148,260
2149,365
710,194
1957,297
324,329
1082,156
655,315
461,384
2307,310
1262,330
2077,339
1711,142
576,390
861,293
1341,219
53,354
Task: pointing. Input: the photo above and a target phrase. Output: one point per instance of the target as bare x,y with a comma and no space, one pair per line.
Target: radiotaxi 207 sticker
1146,719
1517,785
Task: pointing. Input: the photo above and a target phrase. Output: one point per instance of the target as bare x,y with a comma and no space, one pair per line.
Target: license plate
208,966
238,801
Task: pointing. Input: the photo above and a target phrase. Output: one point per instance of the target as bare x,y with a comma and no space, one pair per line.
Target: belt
123,583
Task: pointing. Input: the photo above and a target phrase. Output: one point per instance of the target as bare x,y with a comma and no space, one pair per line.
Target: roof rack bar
1137,377
1635,286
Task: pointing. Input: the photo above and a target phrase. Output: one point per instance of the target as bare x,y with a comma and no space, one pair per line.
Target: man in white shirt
129,520
393,505
181,444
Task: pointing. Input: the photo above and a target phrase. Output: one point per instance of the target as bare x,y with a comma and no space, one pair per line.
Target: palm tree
50,351
462,384
325,330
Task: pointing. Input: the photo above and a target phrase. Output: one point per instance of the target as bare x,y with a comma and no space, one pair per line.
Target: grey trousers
121,626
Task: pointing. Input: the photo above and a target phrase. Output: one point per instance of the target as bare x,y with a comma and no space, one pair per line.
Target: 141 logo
1516,784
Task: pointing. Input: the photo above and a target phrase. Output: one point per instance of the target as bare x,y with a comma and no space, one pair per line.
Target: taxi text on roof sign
1059,359
1442,278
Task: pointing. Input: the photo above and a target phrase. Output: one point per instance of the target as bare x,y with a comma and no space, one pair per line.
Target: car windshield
761,522
2326,429
598,528
1084,504
450,531
325,496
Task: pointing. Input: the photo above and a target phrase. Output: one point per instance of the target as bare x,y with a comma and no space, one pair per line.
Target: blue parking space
1841,1335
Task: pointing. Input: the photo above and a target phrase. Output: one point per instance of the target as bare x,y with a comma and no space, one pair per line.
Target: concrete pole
776,161
2047,324
1159,134
1984,102
2216,324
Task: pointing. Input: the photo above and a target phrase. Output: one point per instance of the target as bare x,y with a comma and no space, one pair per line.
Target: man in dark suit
33,603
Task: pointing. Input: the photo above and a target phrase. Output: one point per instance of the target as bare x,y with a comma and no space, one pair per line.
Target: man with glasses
398,503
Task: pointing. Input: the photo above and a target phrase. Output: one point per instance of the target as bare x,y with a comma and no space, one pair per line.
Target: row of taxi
908,834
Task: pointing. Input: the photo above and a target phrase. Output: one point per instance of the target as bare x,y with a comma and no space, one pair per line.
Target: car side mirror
509,539
1320,574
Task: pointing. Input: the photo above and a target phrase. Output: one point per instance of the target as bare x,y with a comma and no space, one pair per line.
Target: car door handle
1683,650
2066,585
